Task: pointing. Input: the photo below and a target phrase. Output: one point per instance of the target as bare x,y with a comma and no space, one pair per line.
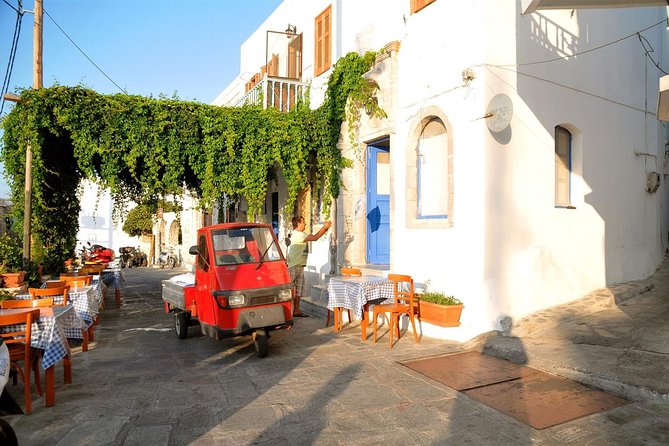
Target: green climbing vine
145,149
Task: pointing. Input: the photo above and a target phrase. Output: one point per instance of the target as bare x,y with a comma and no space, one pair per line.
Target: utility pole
37,83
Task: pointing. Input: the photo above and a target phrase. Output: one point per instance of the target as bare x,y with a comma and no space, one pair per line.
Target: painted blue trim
433,217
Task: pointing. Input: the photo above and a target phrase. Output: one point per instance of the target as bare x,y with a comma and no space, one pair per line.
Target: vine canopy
144,149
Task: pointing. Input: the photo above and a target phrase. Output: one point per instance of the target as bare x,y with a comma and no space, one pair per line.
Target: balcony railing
280,93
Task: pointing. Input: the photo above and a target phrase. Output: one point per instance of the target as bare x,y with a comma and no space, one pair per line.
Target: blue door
378,203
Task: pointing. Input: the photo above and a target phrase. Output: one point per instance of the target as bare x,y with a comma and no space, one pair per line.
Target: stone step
316,302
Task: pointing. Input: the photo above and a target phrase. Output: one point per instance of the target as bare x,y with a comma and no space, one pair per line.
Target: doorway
378,202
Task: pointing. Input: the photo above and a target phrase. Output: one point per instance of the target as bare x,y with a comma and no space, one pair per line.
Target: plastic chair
404,303
55,283
345,271
18,343
26,303
37,293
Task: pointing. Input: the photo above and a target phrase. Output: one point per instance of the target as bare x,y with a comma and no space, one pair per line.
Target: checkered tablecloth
85,301
354,292
50,333
113,278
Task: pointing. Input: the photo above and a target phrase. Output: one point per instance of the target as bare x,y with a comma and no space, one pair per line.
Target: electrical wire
11,6
578,90
12,53
642,39
582,52
82,52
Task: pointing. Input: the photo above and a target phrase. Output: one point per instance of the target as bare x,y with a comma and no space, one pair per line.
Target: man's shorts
297,278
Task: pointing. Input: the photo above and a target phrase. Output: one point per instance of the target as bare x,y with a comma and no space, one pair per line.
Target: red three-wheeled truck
242,286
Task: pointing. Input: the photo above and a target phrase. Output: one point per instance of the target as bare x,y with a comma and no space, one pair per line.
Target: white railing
280,93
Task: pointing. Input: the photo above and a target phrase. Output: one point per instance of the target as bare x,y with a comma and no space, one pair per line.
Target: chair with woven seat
345,271
39,293
27,303
18,344
404,302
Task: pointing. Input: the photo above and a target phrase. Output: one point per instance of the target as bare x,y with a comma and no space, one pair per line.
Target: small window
203,256
563,167
417,5
433,175
323,41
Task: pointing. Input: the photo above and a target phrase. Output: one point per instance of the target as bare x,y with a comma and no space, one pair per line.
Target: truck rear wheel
181,324
260,341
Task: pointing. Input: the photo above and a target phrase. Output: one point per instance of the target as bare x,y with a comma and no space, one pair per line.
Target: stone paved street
140,385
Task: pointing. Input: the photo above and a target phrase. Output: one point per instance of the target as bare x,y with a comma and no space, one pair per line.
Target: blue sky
147,47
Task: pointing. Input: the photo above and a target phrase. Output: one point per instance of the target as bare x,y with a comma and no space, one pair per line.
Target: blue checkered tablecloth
112,278
51,331
85,301
354,292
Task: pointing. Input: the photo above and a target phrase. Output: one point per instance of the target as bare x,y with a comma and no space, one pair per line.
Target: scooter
167,258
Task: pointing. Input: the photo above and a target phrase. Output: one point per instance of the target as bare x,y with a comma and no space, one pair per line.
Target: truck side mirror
193,250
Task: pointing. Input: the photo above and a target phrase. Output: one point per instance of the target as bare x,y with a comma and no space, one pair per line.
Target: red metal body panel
234,278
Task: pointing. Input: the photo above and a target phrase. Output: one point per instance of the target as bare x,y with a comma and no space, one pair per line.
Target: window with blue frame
433,174
563,167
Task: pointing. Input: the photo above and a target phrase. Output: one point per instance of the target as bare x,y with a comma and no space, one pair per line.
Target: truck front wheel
181,323
260,341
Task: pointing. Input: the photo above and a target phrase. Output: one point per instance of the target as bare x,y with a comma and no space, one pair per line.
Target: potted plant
437,308
11,261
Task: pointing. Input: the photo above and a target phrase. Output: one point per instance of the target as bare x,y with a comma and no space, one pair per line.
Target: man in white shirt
298,251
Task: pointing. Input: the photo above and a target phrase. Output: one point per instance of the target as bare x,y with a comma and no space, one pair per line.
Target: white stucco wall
95,220
510,251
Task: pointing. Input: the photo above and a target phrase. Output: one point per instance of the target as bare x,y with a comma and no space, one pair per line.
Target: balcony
280,93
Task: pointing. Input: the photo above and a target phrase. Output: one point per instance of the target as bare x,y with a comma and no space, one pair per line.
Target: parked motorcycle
167,258
91,254
131,256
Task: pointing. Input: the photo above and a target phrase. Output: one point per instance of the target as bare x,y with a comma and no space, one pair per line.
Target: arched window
175,233
433,171
563,167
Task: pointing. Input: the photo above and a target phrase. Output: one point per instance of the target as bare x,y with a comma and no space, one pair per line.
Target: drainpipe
333,238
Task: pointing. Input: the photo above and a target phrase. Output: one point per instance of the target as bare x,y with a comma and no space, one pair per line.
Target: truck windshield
244,245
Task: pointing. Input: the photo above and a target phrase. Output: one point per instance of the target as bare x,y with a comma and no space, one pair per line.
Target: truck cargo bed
174,293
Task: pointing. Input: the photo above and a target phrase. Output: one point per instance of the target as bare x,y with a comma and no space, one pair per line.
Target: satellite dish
499,113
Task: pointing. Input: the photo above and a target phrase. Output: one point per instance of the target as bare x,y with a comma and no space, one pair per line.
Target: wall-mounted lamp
291,30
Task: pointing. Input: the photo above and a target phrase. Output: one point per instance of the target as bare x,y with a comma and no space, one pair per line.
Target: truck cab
241,287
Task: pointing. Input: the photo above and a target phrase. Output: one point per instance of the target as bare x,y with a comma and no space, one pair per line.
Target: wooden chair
27,303
18,343
80,280
345,271
38,293
404,303
55,283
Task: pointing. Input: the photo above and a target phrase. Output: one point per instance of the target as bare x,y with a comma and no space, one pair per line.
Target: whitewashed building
521,164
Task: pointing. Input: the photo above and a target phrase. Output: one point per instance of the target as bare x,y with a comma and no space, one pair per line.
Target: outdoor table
50,334
85,302
356,293
112,278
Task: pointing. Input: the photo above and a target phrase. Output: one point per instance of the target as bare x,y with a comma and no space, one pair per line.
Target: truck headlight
236,299
285,295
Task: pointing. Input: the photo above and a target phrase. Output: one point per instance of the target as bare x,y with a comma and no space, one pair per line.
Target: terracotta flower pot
442,315
13,280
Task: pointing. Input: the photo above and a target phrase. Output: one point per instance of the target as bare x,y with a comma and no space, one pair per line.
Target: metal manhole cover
530,396
468,370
